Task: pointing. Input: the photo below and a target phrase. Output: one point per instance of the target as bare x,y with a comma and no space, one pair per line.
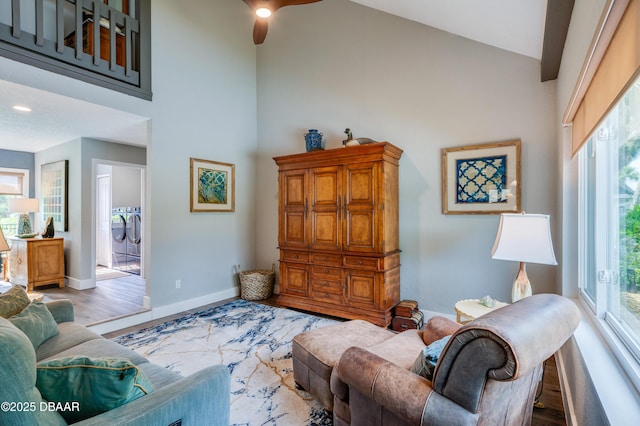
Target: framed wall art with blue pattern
482,179
212,186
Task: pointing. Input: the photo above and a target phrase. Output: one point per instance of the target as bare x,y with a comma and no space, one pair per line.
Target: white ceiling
514,25
56,119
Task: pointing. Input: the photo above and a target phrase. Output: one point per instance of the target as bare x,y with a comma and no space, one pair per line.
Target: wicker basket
256,284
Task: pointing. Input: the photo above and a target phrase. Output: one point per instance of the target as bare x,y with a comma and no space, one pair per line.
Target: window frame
625,347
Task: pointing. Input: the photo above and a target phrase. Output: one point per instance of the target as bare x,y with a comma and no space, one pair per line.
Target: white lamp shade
524,238
23,205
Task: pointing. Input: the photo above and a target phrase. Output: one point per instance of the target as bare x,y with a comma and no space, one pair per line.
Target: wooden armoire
338,231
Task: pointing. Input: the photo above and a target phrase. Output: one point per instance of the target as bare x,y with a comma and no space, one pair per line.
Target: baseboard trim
565,391
80,284
163,311
185,305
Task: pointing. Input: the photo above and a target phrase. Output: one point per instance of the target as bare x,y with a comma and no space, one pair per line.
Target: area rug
254,342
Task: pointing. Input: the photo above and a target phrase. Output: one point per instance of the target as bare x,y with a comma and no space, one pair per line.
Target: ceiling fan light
263,12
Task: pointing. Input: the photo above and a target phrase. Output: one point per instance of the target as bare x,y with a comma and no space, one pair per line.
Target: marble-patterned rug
254,341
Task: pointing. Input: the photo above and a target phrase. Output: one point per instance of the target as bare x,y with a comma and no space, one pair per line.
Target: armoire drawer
361,262
294,256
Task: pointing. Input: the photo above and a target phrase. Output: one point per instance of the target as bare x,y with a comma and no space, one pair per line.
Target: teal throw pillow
36,322
426,362
13,301
94,385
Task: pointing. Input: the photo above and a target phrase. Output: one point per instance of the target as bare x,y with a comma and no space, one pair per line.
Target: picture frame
54,187
212,186
482,179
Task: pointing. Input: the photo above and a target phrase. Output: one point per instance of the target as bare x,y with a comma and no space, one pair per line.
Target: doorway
119,232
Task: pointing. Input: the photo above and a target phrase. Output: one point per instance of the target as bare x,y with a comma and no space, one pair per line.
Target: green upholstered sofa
202,398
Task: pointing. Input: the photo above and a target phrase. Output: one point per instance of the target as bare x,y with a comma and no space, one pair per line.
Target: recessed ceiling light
22,108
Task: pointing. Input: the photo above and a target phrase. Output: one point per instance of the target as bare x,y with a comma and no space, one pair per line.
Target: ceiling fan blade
251,3
260,30
282,3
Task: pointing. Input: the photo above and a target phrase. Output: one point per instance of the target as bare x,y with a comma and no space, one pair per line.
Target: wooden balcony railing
115,46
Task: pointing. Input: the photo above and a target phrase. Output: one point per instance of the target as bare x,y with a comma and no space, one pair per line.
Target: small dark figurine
48,230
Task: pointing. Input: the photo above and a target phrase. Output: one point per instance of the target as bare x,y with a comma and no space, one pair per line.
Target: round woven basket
257,284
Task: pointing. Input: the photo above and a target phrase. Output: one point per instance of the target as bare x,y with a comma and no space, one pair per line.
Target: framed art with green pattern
212,186
482,179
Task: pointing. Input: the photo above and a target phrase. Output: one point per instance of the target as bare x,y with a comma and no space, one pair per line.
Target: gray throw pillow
36,322
426,362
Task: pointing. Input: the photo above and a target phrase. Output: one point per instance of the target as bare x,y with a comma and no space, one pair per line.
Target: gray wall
336,64
20,160
210,114
125,187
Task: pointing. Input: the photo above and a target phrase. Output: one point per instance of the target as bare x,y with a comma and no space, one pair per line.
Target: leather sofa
487,373
202,398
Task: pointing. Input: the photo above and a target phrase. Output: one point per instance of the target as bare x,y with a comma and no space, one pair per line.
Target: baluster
79,33
40,22
112,39
127,45
15,13
96,32
60,26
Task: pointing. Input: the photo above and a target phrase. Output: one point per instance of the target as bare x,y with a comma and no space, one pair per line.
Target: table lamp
24,206
524,238
3,247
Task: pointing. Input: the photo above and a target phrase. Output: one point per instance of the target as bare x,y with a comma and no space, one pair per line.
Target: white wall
336,64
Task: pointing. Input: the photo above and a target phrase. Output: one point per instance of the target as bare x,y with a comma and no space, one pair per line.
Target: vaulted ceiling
527,27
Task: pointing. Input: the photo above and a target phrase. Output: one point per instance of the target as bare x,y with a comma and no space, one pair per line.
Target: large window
610,219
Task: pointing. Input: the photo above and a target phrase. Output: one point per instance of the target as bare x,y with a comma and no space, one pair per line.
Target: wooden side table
471,309
36,261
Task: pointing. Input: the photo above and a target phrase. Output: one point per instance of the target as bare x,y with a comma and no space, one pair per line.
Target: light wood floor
111,298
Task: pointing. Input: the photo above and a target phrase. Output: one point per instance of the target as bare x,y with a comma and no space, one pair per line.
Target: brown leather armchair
487,373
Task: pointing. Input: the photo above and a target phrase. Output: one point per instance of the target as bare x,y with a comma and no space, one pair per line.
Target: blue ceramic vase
313,139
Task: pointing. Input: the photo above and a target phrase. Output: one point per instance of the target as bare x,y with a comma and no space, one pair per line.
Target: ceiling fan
264,9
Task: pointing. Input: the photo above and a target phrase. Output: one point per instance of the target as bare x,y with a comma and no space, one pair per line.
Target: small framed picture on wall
212,186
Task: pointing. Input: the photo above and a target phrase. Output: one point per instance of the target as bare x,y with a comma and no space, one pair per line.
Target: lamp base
521,285
24,224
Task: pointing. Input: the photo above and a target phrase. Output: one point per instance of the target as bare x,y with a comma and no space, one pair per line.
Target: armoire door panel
361,231
325,193
294,229
325,186
326,230
360,188
361,288
294,189
294,279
